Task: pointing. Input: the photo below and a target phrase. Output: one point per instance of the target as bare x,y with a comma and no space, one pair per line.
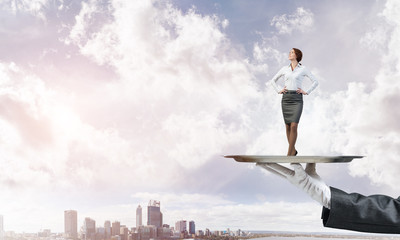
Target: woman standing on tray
292,99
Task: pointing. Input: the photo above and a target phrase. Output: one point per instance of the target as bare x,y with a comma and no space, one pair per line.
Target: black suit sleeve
375,214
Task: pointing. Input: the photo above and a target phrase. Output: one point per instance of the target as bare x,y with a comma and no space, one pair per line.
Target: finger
281,169
299,173
310,168
269,169
297,167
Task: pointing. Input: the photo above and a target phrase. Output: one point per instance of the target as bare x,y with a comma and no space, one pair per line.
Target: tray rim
293,159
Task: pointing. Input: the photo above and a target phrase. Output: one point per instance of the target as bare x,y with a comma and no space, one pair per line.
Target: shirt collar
298,66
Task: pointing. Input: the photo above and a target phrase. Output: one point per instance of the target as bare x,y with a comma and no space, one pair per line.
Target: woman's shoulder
284,68
303,68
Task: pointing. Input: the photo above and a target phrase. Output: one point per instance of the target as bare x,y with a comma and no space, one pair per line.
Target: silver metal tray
291,159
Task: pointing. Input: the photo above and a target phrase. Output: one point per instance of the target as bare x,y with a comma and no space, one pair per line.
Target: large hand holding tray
291,159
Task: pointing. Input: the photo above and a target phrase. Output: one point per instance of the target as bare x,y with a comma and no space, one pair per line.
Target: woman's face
292,55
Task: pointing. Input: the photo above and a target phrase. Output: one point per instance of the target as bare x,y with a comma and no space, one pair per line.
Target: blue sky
105,105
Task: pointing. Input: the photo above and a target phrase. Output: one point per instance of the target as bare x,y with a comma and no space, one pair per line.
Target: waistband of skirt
291,92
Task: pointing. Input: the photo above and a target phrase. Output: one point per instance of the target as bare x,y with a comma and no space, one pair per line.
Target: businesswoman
292,98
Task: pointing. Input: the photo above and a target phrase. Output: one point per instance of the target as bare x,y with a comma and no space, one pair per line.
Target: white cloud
82,21
188,130
376,123
170,109
264,52
178,73
33,119
34,7
302,20
376,38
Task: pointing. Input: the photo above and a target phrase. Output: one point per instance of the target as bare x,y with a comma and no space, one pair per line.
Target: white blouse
294,79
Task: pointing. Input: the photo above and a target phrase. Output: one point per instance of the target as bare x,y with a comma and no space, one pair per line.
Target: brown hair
299,54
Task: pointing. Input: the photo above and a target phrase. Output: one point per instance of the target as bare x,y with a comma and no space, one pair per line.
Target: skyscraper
154,215
124,233
89,229
1,227
107,229
116,228
71,224
138,216
192,227
180,226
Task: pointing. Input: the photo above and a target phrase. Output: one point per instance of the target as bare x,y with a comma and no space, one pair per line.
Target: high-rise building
192,227
200,233
124,232
164,233
100,233
147,232
89,229
154,215
71,224
107,229
138,216
1,227
180,226
116,228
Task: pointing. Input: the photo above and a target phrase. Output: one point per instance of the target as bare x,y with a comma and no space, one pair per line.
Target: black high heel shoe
295,153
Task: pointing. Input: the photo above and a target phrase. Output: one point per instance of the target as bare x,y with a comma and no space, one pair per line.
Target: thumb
297,167
298,170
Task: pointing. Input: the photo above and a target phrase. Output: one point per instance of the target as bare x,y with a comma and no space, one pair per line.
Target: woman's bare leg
292,137
288,131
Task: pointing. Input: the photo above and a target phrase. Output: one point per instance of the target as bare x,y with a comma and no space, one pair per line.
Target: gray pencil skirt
292,107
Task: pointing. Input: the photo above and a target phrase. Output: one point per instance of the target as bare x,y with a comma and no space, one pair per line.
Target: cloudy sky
107,104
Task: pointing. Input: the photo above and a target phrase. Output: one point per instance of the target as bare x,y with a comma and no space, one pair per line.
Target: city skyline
89,228
91,231
71,220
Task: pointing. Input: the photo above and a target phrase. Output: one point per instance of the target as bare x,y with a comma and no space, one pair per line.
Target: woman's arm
312,79
275,79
